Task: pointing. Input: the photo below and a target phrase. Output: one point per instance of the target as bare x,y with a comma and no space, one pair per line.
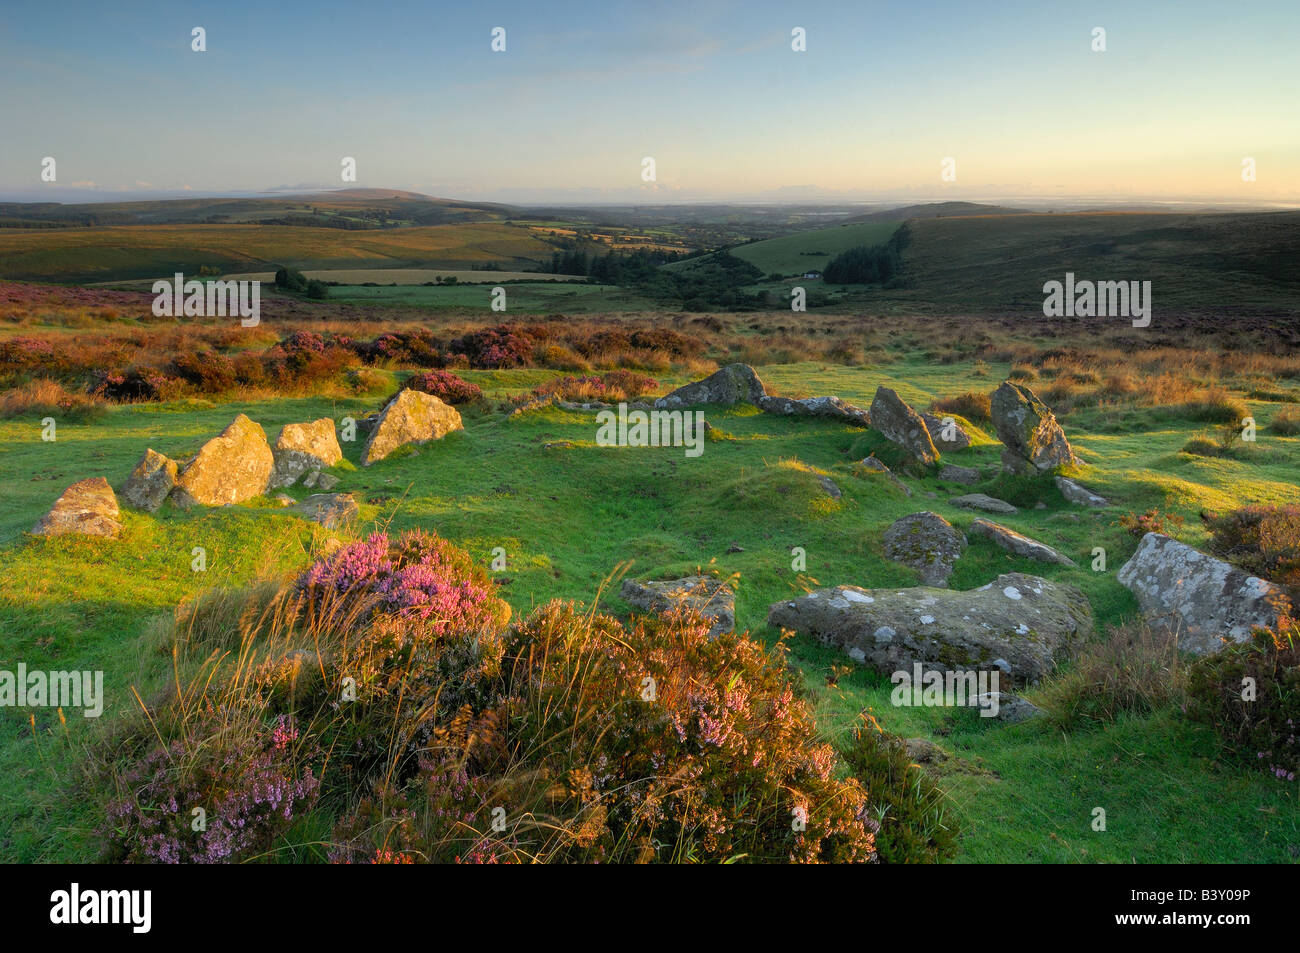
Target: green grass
810,250
530,297
568,515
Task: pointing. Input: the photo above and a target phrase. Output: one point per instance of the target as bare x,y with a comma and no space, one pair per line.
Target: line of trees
869,264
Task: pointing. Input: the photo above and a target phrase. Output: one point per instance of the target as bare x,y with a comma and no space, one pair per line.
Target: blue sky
711,90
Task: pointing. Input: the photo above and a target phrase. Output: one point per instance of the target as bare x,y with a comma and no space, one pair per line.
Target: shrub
454,716
1133,669
906,803
1286,422
444,385
417,347
43,397
610,387
502,346
1152,521
418,576
973,405
1217,406
1263,540
208,371
715,767
1261,729
246,776
1023,373
134,384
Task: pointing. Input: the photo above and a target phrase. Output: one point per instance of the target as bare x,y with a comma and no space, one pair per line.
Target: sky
710,89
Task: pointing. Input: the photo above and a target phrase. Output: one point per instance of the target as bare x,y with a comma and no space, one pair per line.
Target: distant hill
1206,262
346,208
936,210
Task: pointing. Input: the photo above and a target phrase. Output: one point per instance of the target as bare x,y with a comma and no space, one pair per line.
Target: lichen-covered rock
88,508
831,408
331,510
733,384
1017,625
153,478
711,598
1079,494
927,543
1202,600
891,415
946,434
410,417
1017,544
967,476
1028,429
230,468
304,448
981,501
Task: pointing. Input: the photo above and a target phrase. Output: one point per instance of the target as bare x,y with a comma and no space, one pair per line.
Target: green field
811,250
529,297
568,514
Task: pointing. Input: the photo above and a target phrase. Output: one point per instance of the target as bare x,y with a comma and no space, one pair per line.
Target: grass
146,251
567,512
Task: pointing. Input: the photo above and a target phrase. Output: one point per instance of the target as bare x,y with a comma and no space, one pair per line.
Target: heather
383,692
1249,694
444,385
1263,540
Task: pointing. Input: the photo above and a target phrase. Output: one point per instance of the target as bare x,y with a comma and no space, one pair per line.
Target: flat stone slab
978,501
1017,625
331,510
1199,598
711,598
967,476
1017,544
87,508
831,408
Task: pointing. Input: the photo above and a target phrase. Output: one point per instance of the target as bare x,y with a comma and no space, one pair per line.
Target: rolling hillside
1202,261
148,251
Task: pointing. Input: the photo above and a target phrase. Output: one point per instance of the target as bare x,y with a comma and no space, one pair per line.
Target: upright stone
149,483
733,384
410,417
1028,429
230,468
303,448
891,415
